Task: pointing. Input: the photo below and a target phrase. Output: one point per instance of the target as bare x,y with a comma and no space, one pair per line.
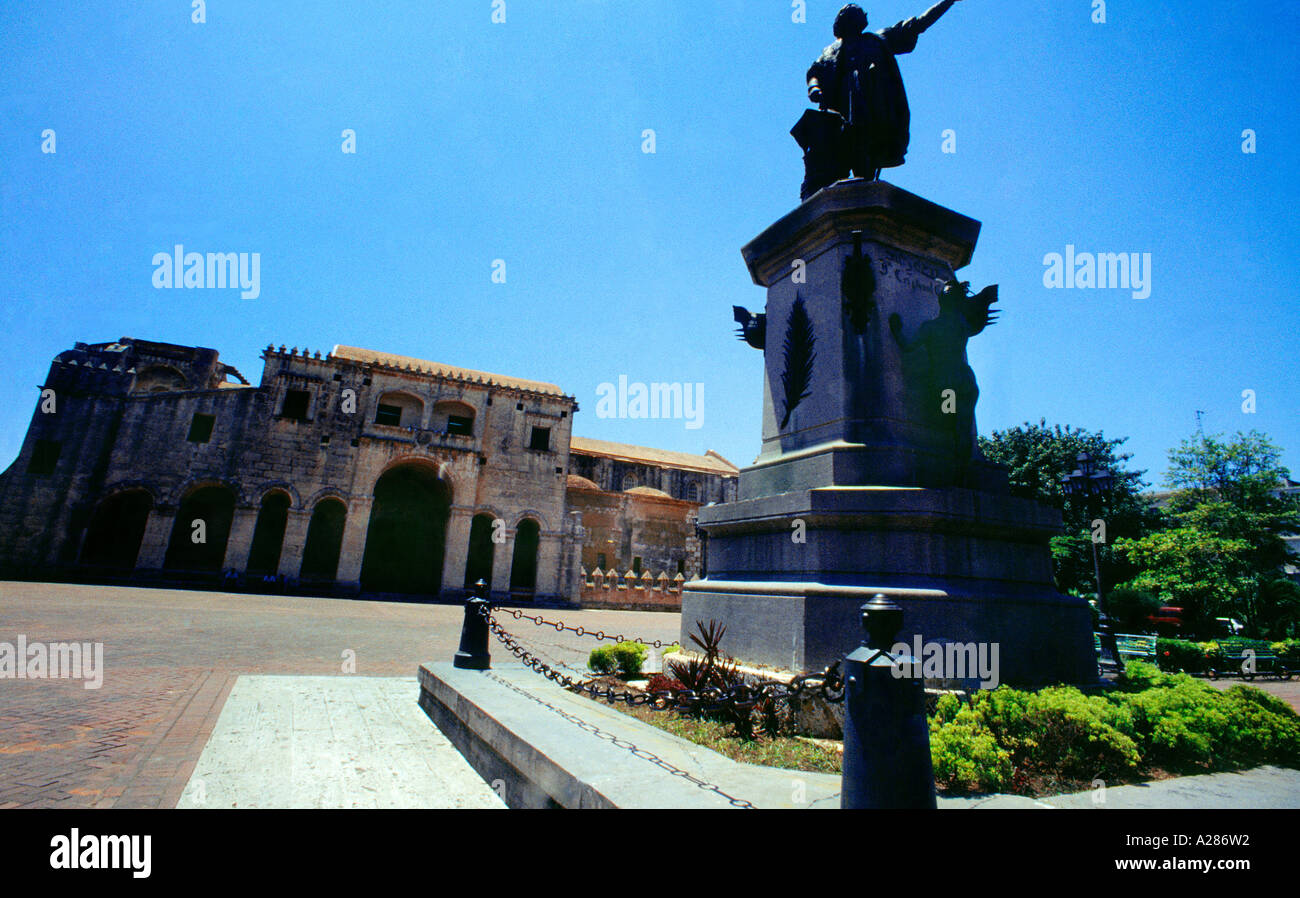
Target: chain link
561,627
635,749
828,685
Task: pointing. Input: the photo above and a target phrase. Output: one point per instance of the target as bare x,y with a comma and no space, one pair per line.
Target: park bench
1135,647
1232,657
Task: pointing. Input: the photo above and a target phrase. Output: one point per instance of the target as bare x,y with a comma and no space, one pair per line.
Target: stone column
501,581
550,559
295,539
354,542
157,533
501,555
240,543
455,554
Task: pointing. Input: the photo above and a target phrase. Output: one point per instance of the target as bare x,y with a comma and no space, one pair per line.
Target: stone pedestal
861,486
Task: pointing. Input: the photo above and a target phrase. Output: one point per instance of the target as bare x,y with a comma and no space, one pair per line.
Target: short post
886,734
473,652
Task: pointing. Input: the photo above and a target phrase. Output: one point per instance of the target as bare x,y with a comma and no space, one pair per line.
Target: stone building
638,504
356,471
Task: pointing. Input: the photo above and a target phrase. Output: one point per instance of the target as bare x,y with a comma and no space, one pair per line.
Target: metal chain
636,750
560,627
828,685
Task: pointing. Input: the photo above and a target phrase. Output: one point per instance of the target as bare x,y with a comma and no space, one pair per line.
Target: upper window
295,405
460,424
399,409
541,439
201,428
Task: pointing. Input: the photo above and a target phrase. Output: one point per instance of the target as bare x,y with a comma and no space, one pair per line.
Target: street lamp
1086,481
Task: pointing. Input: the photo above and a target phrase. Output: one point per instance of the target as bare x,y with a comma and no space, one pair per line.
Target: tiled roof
711,463
370,356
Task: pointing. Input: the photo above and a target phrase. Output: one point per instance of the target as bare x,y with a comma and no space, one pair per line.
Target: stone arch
399,408
536,516
201,529
329,492
284,486
523,563
454,416
324,544
407,534
190,487
268,531
116,529
121,486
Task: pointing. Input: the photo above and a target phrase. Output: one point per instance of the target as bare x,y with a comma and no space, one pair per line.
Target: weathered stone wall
121,415
114,437
660,530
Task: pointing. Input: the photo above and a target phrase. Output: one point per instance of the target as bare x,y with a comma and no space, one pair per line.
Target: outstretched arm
931,15
901,38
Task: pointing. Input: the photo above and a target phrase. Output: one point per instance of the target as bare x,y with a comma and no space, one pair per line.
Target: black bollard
886,734
473,653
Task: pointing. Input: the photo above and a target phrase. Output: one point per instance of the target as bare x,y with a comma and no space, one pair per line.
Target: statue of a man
864,121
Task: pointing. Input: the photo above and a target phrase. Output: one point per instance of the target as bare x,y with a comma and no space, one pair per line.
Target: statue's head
850,21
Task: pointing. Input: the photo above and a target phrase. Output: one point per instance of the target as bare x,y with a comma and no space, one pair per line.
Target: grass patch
787,752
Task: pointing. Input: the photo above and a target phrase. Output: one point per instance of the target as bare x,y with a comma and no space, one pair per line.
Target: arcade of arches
405,539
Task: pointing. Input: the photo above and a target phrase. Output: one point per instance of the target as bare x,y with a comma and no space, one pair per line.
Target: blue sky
522,141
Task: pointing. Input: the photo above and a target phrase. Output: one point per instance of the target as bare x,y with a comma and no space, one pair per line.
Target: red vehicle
1168,621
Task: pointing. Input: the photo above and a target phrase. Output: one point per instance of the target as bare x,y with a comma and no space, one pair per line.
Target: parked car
1168,621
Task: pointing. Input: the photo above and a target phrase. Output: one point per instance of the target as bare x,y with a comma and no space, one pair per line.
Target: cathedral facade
356,471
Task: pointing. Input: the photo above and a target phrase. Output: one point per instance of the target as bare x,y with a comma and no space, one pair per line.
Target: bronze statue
944,379
862,121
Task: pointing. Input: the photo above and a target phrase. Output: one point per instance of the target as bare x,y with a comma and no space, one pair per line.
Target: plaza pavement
172,658
275,701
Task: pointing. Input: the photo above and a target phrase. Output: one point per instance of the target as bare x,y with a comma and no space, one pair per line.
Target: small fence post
886,733
473,653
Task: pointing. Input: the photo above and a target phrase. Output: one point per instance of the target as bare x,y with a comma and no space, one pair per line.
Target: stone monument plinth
869,479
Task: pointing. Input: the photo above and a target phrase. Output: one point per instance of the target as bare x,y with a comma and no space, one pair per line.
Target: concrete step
551,748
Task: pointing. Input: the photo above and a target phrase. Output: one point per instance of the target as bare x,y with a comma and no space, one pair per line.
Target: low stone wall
630,591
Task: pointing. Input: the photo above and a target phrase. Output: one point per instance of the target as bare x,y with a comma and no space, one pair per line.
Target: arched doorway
198,540
117,529
481,551
523,567
320,554
268,534
408,530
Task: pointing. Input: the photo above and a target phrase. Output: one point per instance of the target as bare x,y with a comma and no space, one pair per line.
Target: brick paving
171,658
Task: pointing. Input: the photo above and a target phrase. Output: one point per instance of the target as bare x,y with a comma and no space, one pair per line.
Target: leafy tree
1223,555
1038,457
1205,574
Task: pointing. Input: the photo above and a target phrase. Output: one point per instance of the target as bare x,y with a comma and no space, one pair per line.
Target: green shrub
1262,729
1006,737
629,658
966,756
1182,654
1080,736
625,659
602,660
1185,724
1180,722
